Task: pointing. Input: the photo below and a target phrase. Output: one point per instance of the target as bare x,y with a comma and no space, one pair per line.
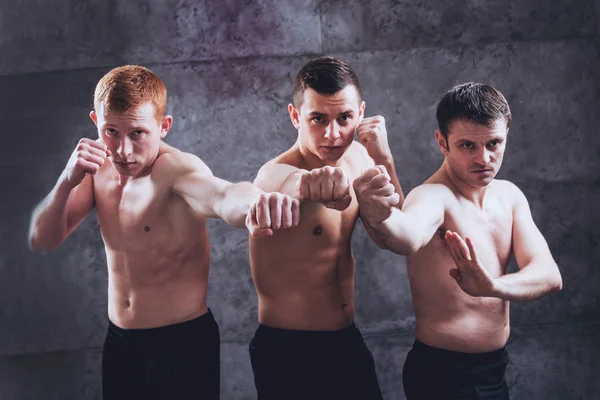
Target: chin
482,182
331,156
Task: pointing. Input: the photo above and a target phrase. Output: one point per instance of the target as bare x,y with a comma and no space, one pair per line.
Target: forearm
235,202
388,163
529,283
49,224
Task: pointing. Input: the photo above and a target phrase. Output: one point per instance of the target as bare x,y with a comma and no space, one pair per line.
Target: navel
147,228
318,230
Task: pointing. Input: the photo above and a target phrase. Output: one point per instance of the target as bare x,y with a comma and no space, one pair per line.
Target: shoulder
273,174
510,192
430,190
358,155
286,163
174,162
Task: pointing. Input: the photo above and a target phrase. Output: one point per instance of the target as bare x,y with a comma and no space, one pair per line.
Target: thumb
251,223
108,152
455,273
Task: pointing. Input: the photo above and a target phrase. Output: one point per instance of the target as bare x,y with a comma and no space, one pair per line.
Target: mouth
125,164
331,148
482,171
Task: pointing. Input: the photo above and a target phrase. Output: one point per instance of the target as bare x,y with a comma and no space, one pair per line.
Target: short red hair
129,86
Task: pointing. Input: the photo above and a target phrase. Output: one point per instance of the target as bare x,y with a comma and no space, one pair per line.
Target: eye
467,145
344,118
111,131
137,133
494,143
318,120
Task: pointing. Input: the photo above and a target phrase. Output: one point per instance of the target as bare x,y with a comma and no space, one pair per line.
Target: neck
474,194
311,160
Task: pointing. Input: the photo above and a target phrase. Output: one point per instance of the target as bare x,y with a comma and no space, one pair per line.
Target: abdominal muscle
305,276
148,290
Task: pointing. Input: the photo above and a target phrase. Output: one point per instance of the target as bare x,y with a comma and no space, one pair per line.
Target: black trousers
179,361
431,373
315,365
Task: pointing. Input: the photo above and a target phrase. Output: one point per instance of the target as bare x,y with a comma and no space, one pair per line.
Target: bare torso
446,317
304,276
157,249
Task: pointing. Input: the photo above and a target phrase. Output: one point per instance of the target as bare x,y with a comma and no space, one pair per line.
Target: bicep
528,241
80,203
424,210
202,191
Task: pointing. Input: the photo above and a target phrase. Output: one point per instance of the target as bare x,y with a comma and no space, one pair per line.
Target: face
474,153
326,123
132,136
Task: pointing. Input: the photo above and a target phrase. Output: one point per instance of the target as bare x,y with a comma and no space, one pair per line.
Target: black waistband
205,321
271,333
457,357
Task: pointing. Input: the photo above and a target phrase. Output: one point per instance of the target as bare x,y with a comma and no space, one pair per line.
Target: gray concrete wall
229,67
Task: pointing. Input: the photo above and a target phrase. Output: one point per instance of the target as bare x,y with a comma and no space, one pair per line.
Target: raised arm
372,133
328,185
401,231
538,273
71,199
239,204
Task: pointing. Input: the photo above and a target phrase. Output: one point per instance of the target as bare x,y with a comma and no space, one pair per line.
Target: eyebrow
318,114
130,129
498,138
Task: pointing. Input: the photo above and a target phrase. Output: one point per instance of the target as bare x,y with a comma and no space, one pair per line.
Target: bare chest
135,216
490,230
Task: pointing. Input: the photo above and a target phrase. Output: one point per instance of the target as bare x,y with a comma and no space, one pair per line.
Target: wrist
64,185
498,289
384,158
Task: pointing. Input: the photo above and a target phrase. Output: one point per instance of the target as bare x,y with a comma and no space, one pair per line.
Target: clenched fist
328,185
270,212
376,195
372,134
88,157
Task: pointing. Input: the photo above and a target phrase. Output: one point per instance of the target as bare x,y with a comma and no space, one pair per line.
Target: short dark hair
473,102
324,75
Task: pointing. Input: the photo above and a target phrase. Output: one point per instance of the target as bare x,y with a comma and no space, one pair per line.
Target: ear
165,125
442,142
294,116
361,111
94,117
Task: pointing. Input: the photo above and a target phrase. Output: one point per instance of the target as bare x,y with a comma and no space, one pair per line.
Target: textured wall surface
229,68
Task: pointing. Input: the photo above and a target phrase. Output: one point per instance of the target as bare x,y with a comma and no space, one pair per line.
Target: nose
125,147
332,131
483,157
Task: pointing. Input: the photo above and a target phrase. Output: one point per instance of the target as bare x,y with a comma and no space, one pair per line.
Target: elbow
37,244
556,283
